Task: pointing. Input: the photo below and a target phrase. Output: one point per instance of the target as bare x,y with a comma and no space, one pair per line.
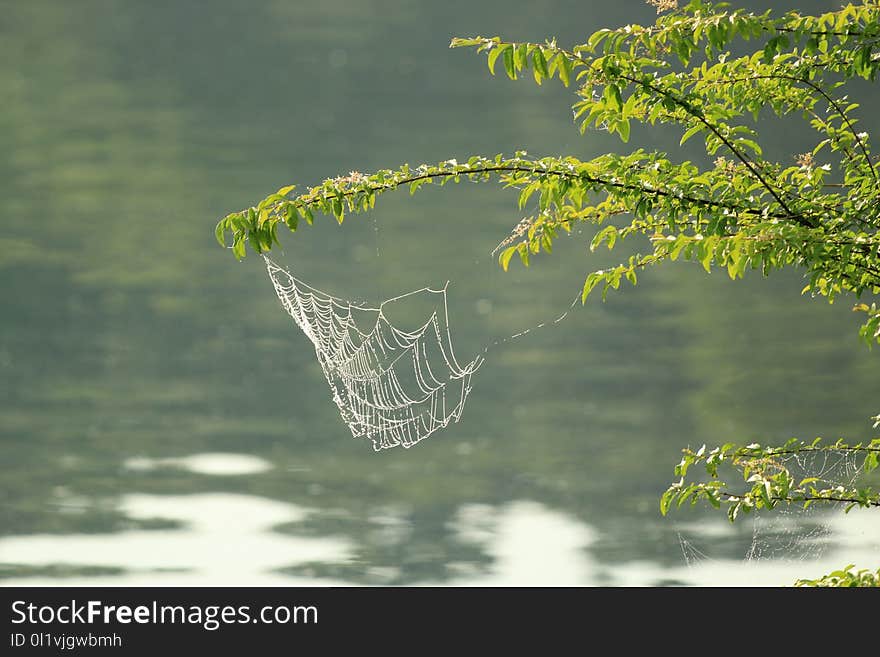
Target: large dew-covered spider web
392,386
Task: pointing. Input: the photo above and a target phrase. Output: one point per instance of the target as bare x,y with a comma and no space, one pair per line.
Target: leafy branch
768,479
749,213
745,210
846,577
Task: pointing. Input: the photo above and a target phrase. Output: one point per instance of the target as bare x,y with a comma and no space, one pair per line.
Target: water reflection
528,544
222,539
225,539
206,464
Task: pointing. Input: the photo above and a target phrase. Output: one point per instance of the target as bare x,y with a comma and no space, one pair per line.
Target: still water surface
161,421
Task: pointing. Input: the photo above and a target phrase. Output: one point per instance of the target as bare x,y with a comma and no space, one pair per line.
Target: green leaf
706,261
291,217
666,500
690,133
506,255
509,63
306,213
539,63
612,96
608,233
520,56
623,130
338,210
680,243
493,55
564,69
238,247
764,492
254,241
220,232
749,143
269,201
591,282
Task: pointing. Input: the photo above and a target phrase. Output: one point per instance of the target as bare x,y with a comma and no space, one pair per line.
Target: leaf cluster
745,211
766,479
846,577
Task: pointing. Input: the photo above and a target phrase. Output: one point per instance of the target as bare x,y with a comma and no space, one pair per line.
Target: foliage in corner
738,208
768,480
846,577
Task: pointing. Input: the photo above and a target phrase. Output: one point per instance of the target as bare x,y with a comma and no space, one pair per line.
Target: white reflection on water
534,545
531,545
853,538
228,540
219,464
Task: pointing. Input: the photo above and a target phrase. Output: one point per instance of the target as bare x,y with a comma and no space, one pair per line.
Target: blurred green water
125,333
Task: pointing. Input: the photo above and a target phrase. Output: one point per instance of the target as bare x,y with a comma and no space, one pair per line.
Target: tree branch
740,156
815,87
734,497
310,198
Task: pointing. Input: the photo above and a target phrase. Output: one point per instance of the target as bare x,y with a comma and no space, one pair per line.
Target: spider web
807,540
392,386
